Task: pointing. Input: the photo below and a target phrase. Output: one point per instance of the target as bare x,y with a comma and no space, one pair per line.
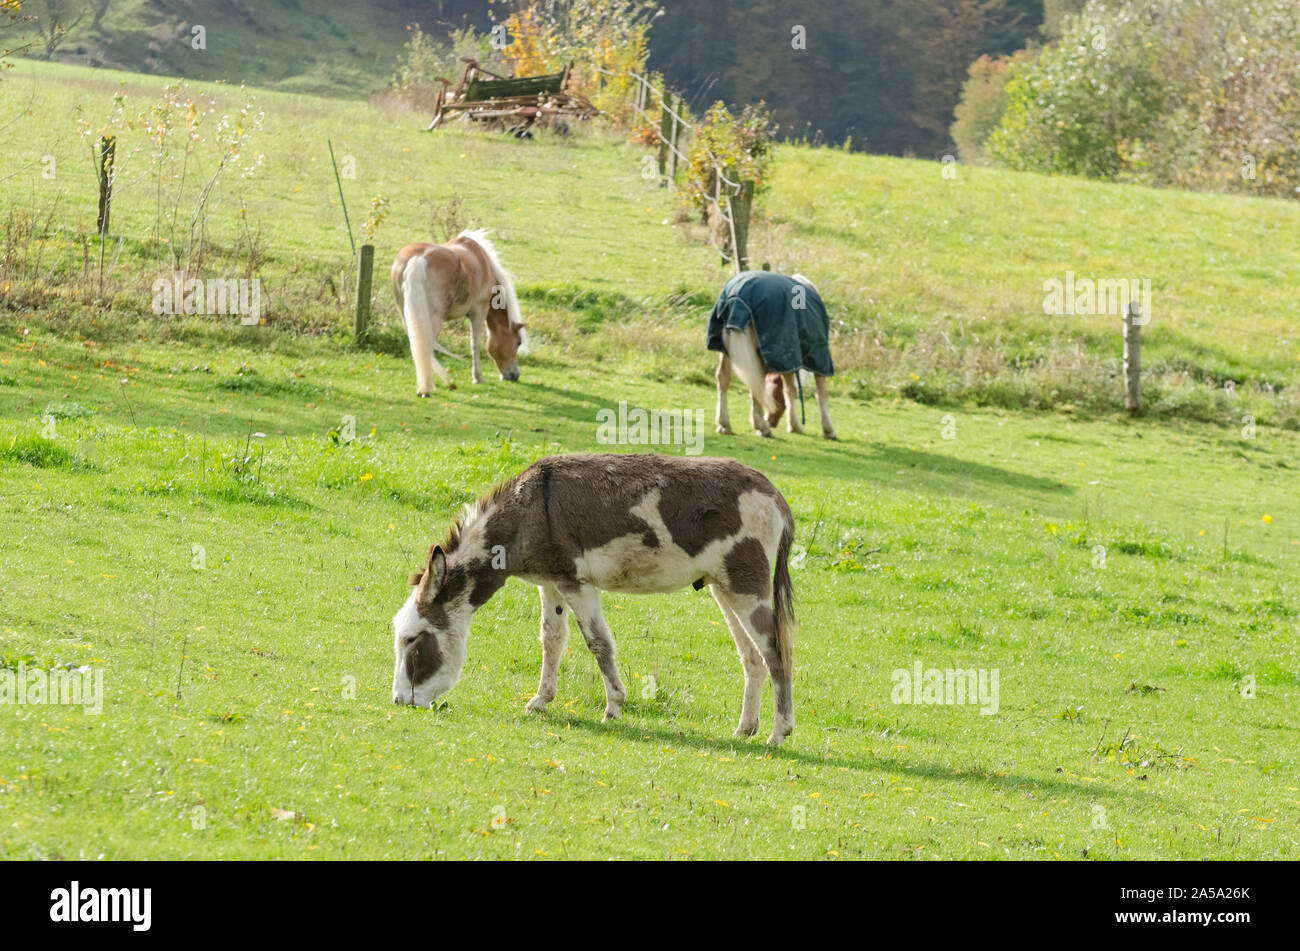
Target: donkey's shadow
1012,782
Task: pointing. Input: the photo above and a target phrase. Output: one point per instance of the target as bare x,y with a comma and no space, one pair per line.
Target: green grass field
1133,582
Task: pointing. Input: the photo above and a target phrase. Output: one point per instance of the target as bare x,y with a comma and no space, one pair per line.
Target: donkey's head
430,633
507,342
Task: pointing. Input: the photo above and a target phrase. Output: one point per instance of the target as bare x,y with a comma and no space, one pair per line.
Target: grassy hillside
935,284
258,687
1133,582
297,45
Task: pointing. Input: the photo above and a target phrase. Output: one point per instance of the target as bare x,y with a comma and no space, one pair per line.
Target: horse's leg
477,328
823,403
757,615
584,601
554,635
752,661
756,417
435,328
443,375
792,423
723,376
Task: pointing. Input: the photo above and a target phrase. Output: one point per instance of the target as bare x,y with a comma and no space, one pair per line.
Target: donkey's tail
783,594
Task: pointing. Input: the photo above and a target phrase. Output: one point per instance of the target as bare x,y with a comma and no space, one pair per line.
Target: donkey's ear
431,581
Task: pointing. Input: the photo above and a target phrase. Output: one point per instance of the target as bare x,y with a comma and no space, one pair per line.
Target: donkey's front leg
477,328
554,635
584,601
723,377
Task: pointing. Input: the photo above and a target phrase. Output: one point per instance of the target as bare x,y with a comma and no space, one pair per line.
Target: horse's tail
747,361
504,279
418,320
783,595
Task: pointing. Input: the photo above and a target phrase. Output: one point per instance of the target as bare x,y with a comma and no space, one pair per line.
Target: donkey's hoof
765,434
779,733
611,713
746,729
724,430
830,435
536,705
423,396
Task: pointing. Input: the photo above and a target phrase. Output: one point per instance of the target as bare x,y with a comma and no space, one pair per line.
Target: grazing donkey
771,327
464,277
577,525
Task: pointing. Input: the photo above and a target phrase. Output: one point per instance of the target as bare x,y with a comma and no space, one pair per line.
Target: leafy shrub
983,101
742,145
1186,93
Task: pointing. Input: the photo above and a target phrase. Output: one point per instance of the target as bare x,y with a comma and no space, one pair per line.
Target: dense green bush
1188,93
983,102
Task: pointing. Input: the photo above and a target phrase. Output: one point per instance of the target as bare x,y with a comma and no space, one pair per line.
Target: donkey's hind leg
584,601
554,635
757,616
751,660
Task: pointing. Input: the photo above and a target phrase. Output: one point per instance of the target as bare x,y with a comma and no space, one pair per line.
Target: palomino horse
464,277
771,327
577,525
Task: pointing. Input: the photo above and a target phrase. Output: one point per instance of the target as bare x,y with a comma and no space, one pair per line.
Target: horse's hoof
610,714
724,430
535,705
830,435
746,729
423,396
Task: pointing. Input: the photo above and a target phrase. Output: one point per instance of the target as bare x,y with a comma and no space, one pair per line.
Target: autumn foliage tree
605,40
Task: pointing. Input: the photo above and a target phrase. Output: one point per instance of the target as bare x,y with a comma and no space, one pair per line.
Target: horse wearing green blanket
775,331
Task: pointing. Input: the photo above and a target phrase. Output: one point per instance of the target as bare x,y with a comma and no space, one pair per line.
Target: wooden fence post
740,205
665,129
1133,358
674,133
107,149
363,292
642,94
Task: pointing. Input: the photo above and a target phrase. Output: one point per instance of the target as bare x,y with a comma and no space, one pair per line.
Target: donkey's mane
473,511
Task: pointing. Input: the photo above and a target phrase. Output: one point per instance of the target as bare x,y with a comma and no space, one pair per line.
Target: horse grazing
771,327
576,525
464,277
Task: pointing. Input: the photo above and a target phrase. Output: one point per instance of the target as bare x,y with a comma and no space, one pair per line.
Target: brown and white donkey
577,525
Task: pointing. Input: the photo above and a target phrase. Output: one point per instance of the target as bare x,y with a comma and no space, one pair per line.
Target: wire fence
725,210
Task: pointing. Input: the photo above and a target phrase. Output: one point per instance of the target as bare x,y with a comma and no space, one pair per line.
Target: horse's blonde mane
479,237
